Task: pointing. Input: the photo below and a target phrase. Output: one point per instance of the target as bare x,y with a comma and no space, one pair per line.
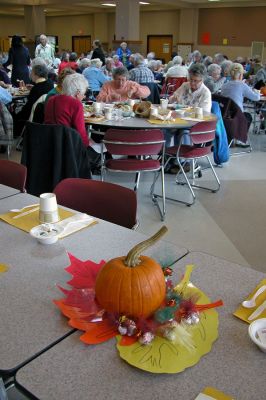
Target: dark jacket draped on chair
52,153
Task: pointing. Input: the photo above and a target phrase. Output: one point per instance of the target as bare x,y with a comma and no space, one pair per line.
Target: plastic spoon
15,210
252,302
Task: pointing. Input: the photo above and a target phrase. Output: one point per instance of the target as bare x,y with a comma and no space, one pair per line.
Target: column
188,27
35,23
127,23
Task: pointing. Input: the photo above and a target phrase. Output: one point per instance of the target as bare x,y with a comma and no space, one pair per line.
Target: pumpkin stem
132,259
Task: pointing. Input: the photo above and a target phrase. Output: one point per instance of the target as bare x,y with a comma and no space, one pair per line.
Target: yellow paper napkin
167,122
27,222
210,393
243,313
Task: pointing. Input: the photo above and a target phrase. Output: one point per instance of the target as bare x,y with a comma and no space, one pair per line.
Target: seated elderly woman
194,93
120,88
42,85
226,67
84,63
66,108
58,88
214,81
117,62
95,76
237,90
177,70
108,67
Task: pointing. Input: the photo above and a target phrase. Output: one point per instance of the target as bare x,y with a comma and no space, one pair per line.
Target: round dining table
143,123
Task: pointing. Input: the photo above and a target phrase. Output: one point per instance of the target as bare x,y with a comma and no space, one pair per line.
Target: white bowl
46,233
253,329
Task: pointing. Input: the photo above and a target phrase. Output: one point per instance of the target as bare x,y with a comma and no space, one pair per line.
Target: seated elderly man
225,72
218,58
141,73
95,76
177,70
121,89
214,81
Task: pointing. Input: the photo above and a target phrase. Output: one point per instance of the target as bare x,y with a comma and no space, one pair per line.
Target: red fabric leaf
99,332
84,272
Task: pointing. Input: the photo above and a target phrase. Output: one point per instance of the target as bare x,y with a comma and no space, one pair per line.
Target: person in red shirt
64,62
66,109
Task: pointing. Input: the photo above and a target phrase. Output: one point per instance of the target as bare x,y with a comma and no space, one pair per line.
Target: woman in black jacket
98,51
19,57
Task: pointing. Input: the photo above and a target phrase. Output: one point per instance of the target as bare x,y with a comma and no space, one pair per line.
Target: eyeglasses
197,81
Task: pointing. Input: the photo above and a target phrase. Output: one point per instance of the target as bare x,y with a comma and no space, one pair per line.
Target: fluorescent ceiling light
109,4
214,0
143,2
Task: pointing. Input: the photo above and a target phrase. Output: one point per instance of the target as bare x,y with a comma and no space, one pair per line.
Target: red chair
202,136
171,85
104,200
141,144
13,174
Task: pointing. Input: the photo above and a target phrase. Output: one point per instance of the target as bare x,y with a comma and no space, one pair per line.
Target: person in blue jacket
124,53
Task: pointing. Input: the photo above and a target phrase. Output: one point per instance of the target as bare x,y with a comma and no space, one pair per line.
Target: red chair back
13,174
171,85
134,142
203,132
104,200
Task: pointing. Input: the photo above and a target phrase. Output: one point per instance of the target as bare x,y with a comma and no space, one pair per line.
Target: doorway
161,45
81,44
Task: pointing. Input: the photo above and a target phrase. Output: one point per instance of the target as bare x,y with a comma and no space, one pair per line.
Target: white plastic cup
48,208
108,112
154,112
198,112
131,102
164,103
97,107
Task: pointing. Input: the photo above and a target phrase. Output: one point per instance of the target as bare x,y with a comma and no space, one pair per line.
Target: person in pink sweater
121,89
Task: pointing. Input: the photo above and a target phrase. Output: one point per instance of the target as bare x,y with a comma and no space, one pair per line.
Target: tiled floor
230,224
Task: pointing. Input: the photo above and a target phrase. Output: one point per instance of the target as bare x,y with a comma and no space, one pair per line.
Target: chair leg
137,178
162,196
213,190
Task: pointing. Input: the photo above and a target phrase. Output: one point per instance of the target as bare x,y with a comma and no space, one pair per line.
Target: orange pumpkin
132,285
263,90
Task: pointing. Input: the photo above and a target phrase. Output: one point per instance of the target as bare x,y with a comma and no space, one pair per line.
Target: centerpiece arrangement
159,327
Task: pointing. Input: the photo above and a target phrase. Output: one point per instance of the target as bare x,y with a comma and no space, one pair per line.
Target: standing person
123,53
45,51
98,51
19,58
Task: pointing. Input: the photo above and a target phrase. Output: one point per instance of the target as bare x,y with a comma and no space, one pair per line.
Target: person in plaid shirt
141,73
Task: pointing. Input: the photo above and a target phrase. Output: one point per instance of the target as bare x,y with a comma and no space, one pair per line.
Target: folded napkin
210,393
75,223
243,313
28,221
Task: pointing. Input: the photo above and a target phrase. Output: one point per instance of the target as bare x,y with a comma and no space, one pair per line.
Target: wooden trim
127,41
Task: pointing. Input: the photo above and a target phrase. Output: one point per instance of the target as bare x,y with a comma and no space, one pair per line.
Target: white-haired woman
214,81
226,67
66,108
95,76
177,70
237,90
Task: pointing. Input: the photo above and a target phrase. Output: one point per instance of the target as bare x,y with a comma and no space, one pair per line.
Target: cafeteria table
7,191
30,322
73,370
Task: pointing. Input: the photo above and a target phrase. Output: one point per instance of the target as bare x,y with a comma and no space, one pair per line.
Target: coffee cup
198,112
164,103
48,208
